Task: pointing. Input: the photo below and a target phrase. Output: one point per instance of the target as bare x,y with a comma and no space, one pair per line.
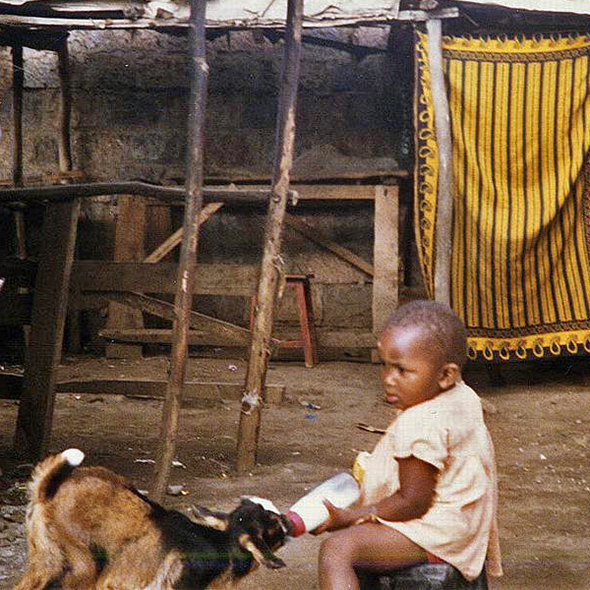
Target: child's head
423,347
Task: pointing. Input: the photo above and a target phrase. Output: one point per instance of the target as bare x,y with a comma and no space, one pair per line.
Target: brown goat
89,528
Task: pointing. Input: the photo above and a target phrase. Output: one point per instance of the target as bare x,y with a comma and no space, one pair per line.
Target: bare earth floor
540,422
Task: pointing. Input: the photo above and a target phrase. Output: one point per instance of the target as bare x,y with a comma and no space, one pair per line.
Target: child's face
412,372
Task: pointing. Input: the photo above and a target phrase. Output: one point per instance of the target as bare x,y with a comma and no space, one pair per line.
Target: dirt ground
540,422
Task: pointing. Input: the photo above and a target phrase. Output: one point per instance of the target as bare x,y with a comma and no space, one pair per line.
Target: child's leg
368,546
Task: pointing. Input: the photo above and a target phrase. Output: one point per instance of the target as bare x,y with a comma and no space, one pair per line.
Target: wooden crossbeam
143,277
175,239
228,333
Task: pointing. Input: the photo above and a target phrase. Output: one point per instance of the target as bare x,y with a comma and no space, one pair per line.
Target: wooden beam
18,75
143,277
229,333
385,256
64,144
250,415
175,239
166,193
318,237
35,413
188,253
446,182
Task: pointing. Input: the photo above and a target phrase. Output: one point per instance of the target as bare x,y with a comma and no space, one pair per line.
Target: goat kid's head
254,528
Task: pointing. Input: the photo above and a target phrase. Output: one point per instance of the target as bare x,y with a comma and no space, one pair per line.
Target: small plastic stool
308,340
427,576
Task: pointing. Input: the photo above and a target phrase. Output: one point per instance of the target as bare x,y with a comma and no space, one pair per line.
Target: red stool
308,340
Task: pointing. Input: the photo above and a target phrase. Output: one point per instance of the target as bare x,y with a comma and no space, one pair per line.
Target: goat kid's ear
206,517
263,556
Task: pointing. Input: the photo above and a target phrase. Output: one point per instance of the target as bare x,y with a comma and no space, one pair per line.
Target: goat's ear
206,517
262,555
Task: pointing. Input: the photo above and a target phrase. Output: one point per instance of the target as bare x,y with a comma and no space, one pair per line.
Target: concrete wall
129,116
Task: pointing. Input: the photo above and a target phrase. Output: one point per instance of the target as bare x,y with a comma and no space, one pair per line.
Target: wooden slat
330,192
143,277
226,332
35,413
317,236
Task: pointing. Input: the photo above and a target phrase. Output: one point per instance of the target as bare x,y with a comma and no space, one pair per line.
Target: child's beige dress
448,432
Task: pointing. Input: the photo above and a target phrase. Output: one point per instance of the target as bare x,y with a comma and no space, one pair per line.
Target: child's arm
413,499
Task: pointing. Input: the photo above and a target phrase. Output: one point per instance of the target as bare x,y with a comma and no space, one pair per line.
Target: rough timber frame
49,308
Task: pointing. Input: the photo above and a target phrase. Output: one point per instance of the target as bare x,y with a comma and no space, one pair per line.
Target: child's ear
450,374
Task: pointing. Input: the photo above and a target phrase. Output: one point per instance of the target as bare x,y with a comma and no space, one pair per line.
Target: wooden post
385,255
188,250
17,114
285,137
35,412
18,75
446,184
129,246
64,145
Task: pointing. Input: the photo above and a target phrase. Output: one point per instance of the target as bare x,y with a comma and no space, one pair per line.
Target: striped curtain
520,115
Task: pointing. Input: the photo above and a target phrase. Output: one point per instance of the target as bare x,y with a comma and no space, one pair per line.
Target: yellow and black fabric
520,116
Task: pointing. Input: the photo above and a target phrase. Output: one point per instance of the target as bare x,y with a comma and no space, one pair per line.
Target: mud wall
130,93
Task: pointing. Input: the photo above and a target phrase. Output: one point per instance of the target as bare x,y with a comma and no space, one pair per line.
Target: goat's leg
82,571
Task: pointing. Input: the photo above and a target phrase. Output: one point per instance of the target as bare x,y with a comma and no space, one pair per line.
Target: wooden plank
237,335
317,236
446,182
330,192
385,256
35,413
143,277
129,246
11,388
64,144
175,239
325,338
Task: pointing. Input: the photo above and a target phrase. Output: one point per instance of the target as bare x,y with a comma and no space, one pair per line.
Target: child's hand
339,518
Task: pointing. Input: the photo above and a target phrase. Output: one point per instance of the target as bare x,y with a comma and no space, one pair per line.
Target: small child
428,491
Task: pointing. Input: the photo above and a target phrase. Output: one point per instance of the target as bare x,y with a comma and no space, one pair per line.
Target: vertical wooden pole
385,255
64,144
285,138
17,144
35,412
188,251
17,114
446,183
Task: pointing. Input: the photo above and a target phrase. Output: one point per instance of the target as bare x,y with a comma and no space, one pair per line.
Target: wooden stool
422,577
308,340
